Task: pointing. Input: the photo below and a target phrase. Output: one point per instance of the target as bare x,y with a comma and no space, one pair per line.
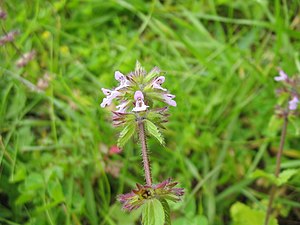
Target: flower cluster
291,87
137,90
143,193
138,95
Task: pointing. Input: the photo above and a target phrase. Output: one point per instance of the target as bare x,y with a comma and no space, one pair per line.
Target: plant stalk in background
290,88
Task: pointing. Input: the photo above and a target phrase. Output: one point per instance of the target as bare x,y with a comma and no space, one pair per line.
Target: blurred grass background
220,57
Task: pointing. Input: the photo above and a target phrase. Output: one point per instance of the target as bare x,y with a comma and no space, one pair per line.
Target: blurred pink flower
114,150
293,104
25,59
3,14
9,37
282,76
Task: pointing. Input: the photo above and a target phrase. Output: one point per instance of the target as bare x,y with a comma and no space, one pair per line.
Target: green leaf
55,191
126,134
153,213
242,214
153,130
283,177
166,211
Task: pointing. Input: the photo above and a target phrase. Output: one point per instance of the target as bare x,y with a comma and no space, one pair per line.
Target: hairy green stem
145,156
277,169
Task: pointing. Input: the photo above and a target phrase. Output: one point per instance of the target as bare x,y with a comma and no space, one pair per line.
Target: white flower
168,98
293,104
139,104
158,82
122,79
110,95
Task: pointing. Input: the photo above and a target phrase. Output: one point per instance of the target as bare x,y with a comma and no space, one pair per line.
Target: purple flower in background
9,37
3,14
25,59
293,104
282,76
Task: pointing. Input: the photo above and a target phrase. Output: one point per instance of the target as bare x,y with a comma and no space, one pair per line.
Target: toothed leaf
166,211
154,131
126,134
153,213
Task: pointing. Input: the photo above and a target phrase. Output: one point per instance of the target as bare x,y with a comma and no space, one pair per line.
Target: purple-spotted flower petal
168,98
110,95
293,104
139,102
158,82
282,76
122,79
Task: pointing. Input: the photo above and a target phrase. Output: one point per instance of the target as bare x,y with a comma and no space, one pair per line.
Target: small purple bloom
158,82
122,79
25,59
9,37
293,104
2,14
168,98
110,95
282,76
139,104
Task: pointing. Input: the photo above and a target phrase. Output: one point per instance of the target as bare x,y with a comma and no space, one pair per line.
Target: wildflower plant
138,95
289,96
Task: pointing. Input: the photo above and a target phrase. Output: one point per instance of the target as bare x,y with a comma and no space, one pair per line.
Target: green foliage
153,213
242,214
219,58
127,132
154,131
282,179
166,211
